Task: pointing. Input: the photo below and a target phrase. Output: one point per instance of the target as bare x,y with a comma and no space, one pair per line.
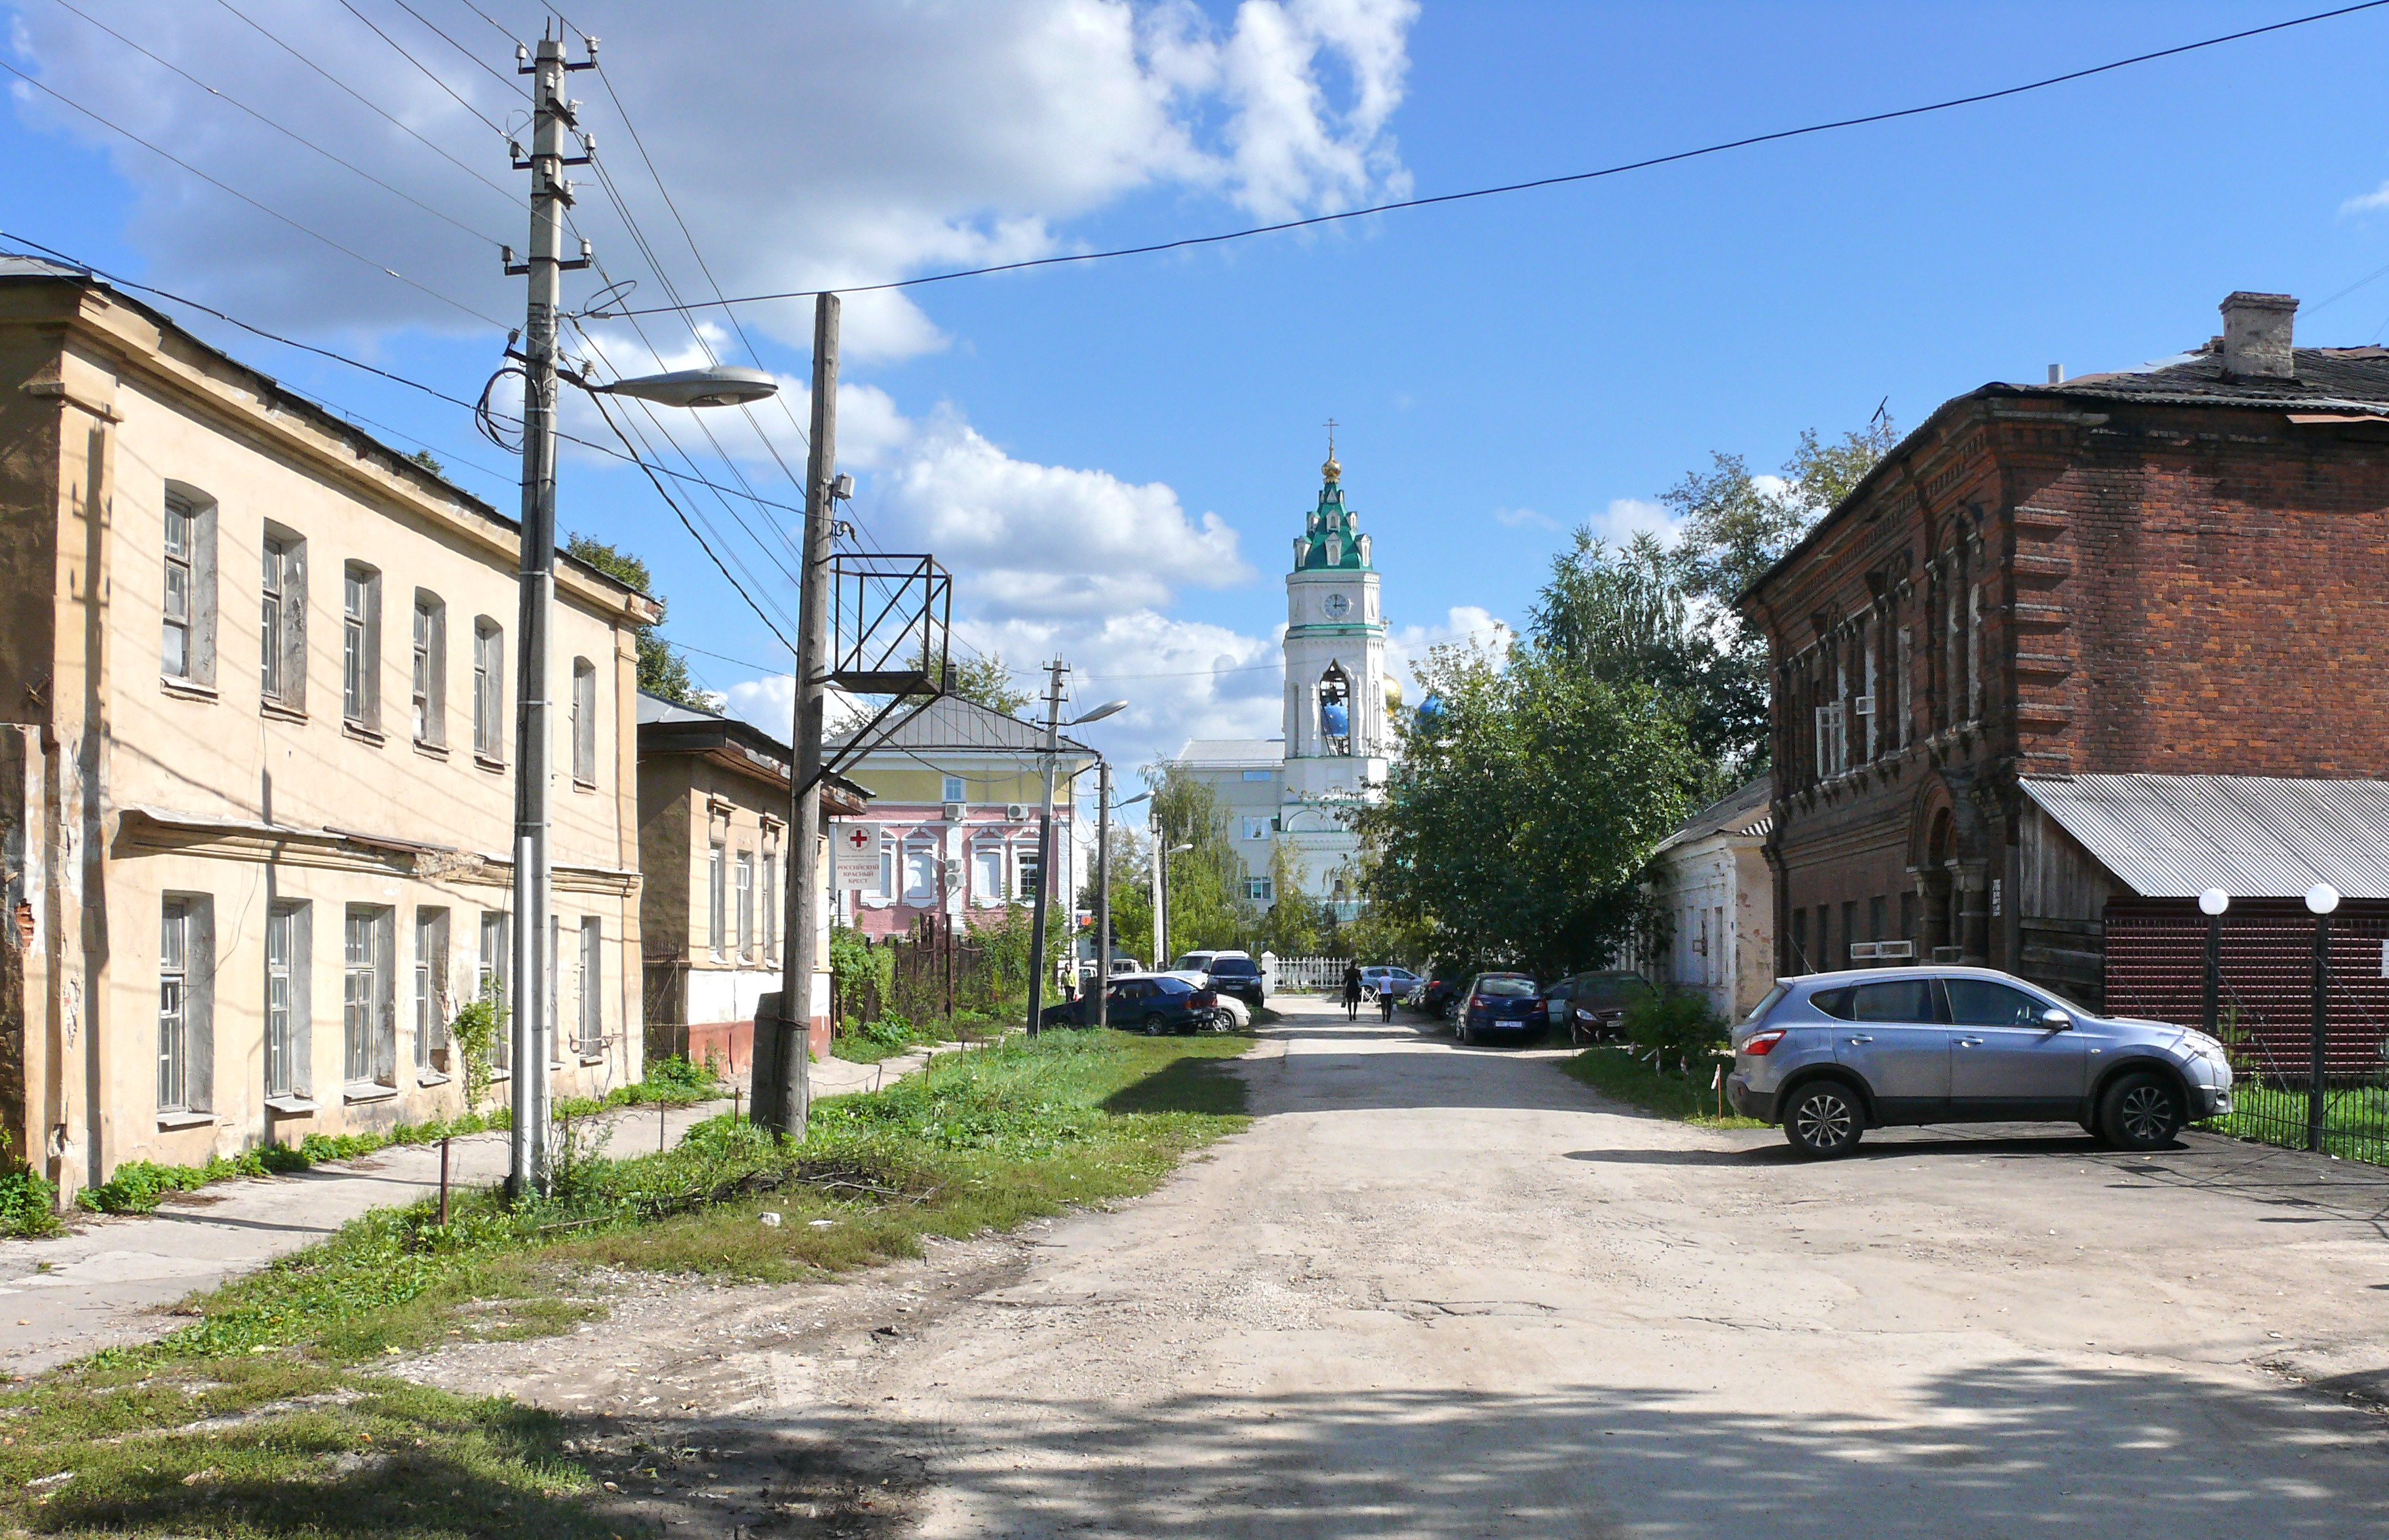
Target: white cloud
1628,516
1472,625
2365,203
873,141
1518,518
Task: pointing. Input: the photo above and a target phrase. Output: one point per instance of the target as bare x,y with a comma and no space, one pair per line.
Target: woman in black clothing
1351,991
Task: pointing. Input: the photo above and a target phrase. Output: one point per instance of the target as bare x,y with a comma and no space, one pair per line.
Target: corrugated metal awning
2174,836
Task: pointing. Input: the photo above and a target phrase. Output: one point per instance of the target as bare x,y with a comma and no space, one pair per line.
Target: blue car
1150,1003
1500,1004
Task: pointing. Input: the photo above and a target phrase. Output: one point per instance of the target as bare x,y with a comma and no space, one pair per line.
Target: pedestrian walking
1351,991
1385,1001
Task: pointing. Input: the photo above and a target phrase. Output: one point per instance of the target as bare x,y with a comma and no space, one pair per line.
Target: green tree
1131,857
1295,925
1208,908
1520,813
987,679
663,672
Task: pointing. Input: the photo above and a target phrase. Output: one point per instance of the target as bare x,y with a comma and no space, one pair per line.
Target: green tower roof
1332,541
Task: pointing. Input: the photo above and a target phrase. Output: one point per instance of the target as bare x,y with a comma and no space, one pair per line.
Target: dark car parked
1150,1003
1236,974
1500,1003
1591,1006
1444,984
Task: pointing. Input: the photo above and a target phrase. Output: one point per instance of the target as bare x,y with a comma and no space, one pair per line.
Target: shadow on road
2016,1448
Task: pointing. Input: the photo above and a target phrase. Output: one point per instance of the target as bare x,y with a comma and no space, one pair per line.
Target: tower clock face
1337,607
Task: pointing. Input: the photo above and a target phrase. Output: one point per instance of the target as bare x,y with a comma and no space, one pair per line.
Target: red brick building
2172,571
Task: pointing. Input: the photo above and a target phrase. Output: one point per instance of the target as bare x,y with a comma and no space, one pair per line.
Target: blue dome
1431,707
1338,719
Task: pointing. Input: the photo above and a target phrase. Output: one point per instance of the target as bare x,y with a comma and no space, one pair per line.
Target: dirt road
1438,1292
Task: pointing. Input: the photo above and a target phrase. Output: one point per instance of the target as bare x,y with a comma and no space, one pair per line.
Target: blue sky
1114,457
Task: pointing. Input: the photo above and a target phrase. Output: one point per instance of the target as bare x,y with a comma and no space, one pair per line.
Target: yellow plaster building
256,766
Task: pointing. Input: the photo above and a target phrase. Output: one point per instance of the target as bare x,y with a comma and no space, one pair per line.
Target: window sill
587,1060
187,688
184,1120
580,785
429,1078
430,751
488,764
280,712
291,1106
362,733
372,1091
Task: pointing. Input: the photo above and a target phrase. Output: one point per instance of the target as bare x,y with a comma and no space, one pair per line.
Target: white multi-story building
1339,705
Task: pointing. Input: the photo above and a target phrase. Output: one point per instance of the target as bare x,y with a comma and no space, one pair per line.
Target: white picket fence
1282,973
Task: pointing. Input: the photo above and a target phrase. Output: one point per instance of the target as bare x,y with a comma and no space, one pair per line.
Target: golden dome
1331,470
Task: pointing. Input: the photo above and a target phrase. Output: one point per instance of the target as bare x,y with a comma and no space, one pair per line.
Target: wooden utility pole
1102,893
784,1066
1044,849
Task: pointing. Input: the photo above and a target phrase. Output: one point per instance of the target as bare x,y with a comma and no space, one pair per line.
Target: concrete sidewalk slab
113,1279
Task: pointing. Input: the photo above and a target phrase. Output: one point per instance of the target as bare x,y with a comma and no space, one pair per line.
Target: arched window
1336,709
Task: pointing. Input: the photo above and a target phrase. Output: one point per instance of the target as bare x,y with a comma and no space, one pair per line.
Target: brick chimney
2257,336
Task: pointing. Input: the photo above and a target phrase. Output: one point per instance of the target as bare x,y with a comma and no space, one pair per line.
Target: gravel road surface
1438,1292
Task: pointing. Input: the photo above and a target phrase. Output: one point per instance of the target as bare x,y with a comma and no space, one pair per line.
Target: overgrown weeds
266,1414
1630,1075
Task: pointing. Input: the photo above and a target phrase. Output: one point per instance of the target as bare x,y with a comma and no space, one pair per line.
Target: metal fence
1282,973
2156,967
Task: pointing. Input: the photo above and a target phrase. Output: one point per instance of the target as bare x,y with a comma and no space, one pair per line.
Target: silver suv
1831,1054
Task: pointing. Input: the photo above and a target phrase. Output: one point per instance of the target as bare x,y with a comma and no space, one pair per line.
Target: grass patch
2355,1119
1619,1072
869,1042
137,1187
267,1416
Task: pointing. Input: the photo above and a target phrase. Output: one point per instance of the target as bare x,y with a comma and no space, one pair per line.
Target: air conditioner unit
1863,705
954,811
1015,811
1894,951
1865,951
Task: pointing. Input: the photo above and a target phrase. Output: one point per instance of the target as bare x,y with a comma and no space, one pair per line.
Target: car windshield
1174,986
1505,987
1759,1011
1193,962
1234,967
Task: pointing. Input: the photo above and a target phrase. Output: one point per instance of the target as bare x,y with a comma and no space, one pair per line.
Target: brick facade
2179,571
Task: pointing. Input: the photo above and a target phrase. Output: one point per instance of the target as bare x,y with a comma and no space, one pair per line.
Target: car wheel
1824,1119
1152,1025
2140,1112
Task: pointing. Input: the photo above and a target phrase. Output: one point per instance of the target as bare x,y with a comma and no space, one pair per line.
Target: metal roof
1232,751
1749,810
953,722
2174,836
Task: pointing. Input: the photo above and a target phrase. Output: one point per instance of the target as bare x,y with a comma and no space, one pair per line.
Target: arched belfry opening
1336,709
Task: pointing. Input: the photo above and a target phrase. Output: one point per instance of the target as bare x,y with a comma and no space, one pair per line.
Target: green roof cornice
1331,539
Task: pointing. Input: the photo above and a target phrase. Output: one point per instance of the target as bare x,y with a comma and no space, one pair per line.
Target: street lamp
2212,903
2322,899
1054,726
1104,888
531,1031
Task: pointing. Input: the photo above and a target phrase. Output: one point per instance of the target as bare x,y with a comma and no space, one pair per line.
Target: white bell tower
1337,736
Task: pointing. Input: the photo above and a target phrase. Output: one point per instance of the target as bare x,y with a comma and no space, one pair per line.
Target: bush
1674,1027
29,1203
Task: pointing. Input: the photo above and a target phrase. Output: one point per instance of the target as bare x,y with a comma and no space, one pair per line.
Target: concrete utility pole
529,1030
783,1071
1102,893
1161,890
1044,849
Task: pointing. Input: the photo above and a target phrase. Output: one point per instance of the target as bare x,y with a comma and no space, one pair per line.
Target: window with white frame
888,875
771,905
282,620
368,1011
955,790
1025,867
1904,660
1866,702
1260,775
287,1035
1256,827
921,869
494,972
592,987
489,689
430,690
430,989
188,649
1974,653
360,647
746,904
1261,890
987,870
185,956
717,899
585,722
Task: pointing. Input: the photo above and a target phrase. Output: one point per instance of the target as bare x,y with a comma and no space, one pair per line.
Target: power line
372,106
510,84
1718,148
286,133
426,70
264,209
